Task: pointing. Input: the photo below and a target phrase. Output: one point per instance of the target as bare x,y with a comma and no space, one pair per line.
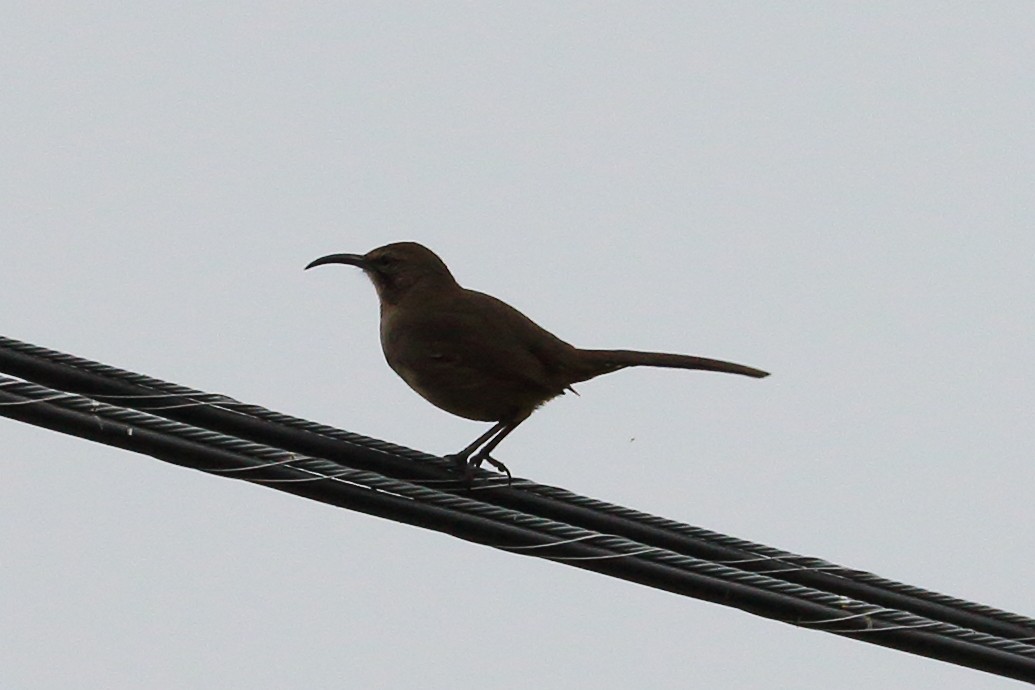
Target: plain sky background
840,193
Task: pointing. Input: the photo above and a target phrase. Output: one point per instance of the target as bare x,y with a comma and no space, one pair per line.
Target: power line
220,413
219,435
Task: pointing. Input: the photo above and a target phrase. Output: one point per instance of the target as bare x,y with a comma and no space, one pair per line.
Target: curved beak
350,259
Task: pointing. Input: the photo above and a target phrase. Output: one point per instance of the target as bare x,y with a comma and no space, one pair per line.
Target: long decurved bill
350,259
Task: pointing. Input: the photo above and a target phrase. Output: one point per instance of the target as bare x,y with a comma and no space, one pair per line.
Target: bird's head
397,269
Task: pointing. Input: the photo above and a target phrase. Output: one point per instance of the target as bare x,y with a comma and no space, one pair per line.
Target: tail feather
604,361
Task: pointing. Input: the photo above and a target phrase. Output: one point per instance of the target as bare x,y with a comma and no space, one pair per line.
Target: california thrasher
477,357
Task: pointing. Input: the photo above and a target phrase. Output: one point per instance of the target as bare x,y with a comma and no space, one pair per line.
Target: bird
476,356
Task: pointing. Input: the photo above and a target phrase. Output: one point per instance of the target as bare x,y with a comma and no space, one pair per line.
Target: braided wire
782,561
844,616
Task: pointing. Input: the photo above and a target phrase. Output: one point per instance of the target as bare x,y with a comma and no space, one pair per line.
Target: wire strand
332,480
223,413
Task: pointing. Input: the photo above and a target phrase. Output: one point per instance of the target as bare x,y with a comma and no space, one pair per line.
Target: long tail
599,362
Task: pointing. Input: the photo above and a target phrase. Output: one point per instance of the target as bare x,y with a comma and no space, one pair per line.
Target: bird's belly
480,376
468,395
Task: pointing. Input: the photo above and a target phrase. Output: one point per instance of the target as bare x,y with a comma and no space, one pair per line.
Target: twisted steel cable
506,529
222,413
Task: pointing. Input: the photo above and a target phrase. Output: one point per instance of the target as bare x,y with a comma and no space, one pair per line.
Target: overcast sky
839,193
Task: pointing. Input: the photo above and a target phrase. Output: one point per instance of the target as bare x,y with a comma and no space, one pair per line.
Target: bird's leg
467,459
462,458
483,454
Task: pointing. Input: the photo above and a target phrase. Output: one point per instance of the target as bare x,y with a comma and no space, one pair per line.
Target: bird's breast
462,369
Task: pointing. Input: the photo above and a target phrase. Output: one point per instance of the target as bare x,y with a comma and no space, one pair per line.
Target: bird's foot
457,459
479,458
466,465
463,466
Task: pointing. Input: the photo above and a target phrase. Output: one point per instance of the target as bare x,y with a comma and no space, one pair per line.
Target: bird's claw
463,466
459,460
477,460
466,466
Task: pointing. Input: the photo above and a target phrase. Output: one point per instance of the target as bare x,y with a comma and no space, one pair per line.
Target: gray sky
838,193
